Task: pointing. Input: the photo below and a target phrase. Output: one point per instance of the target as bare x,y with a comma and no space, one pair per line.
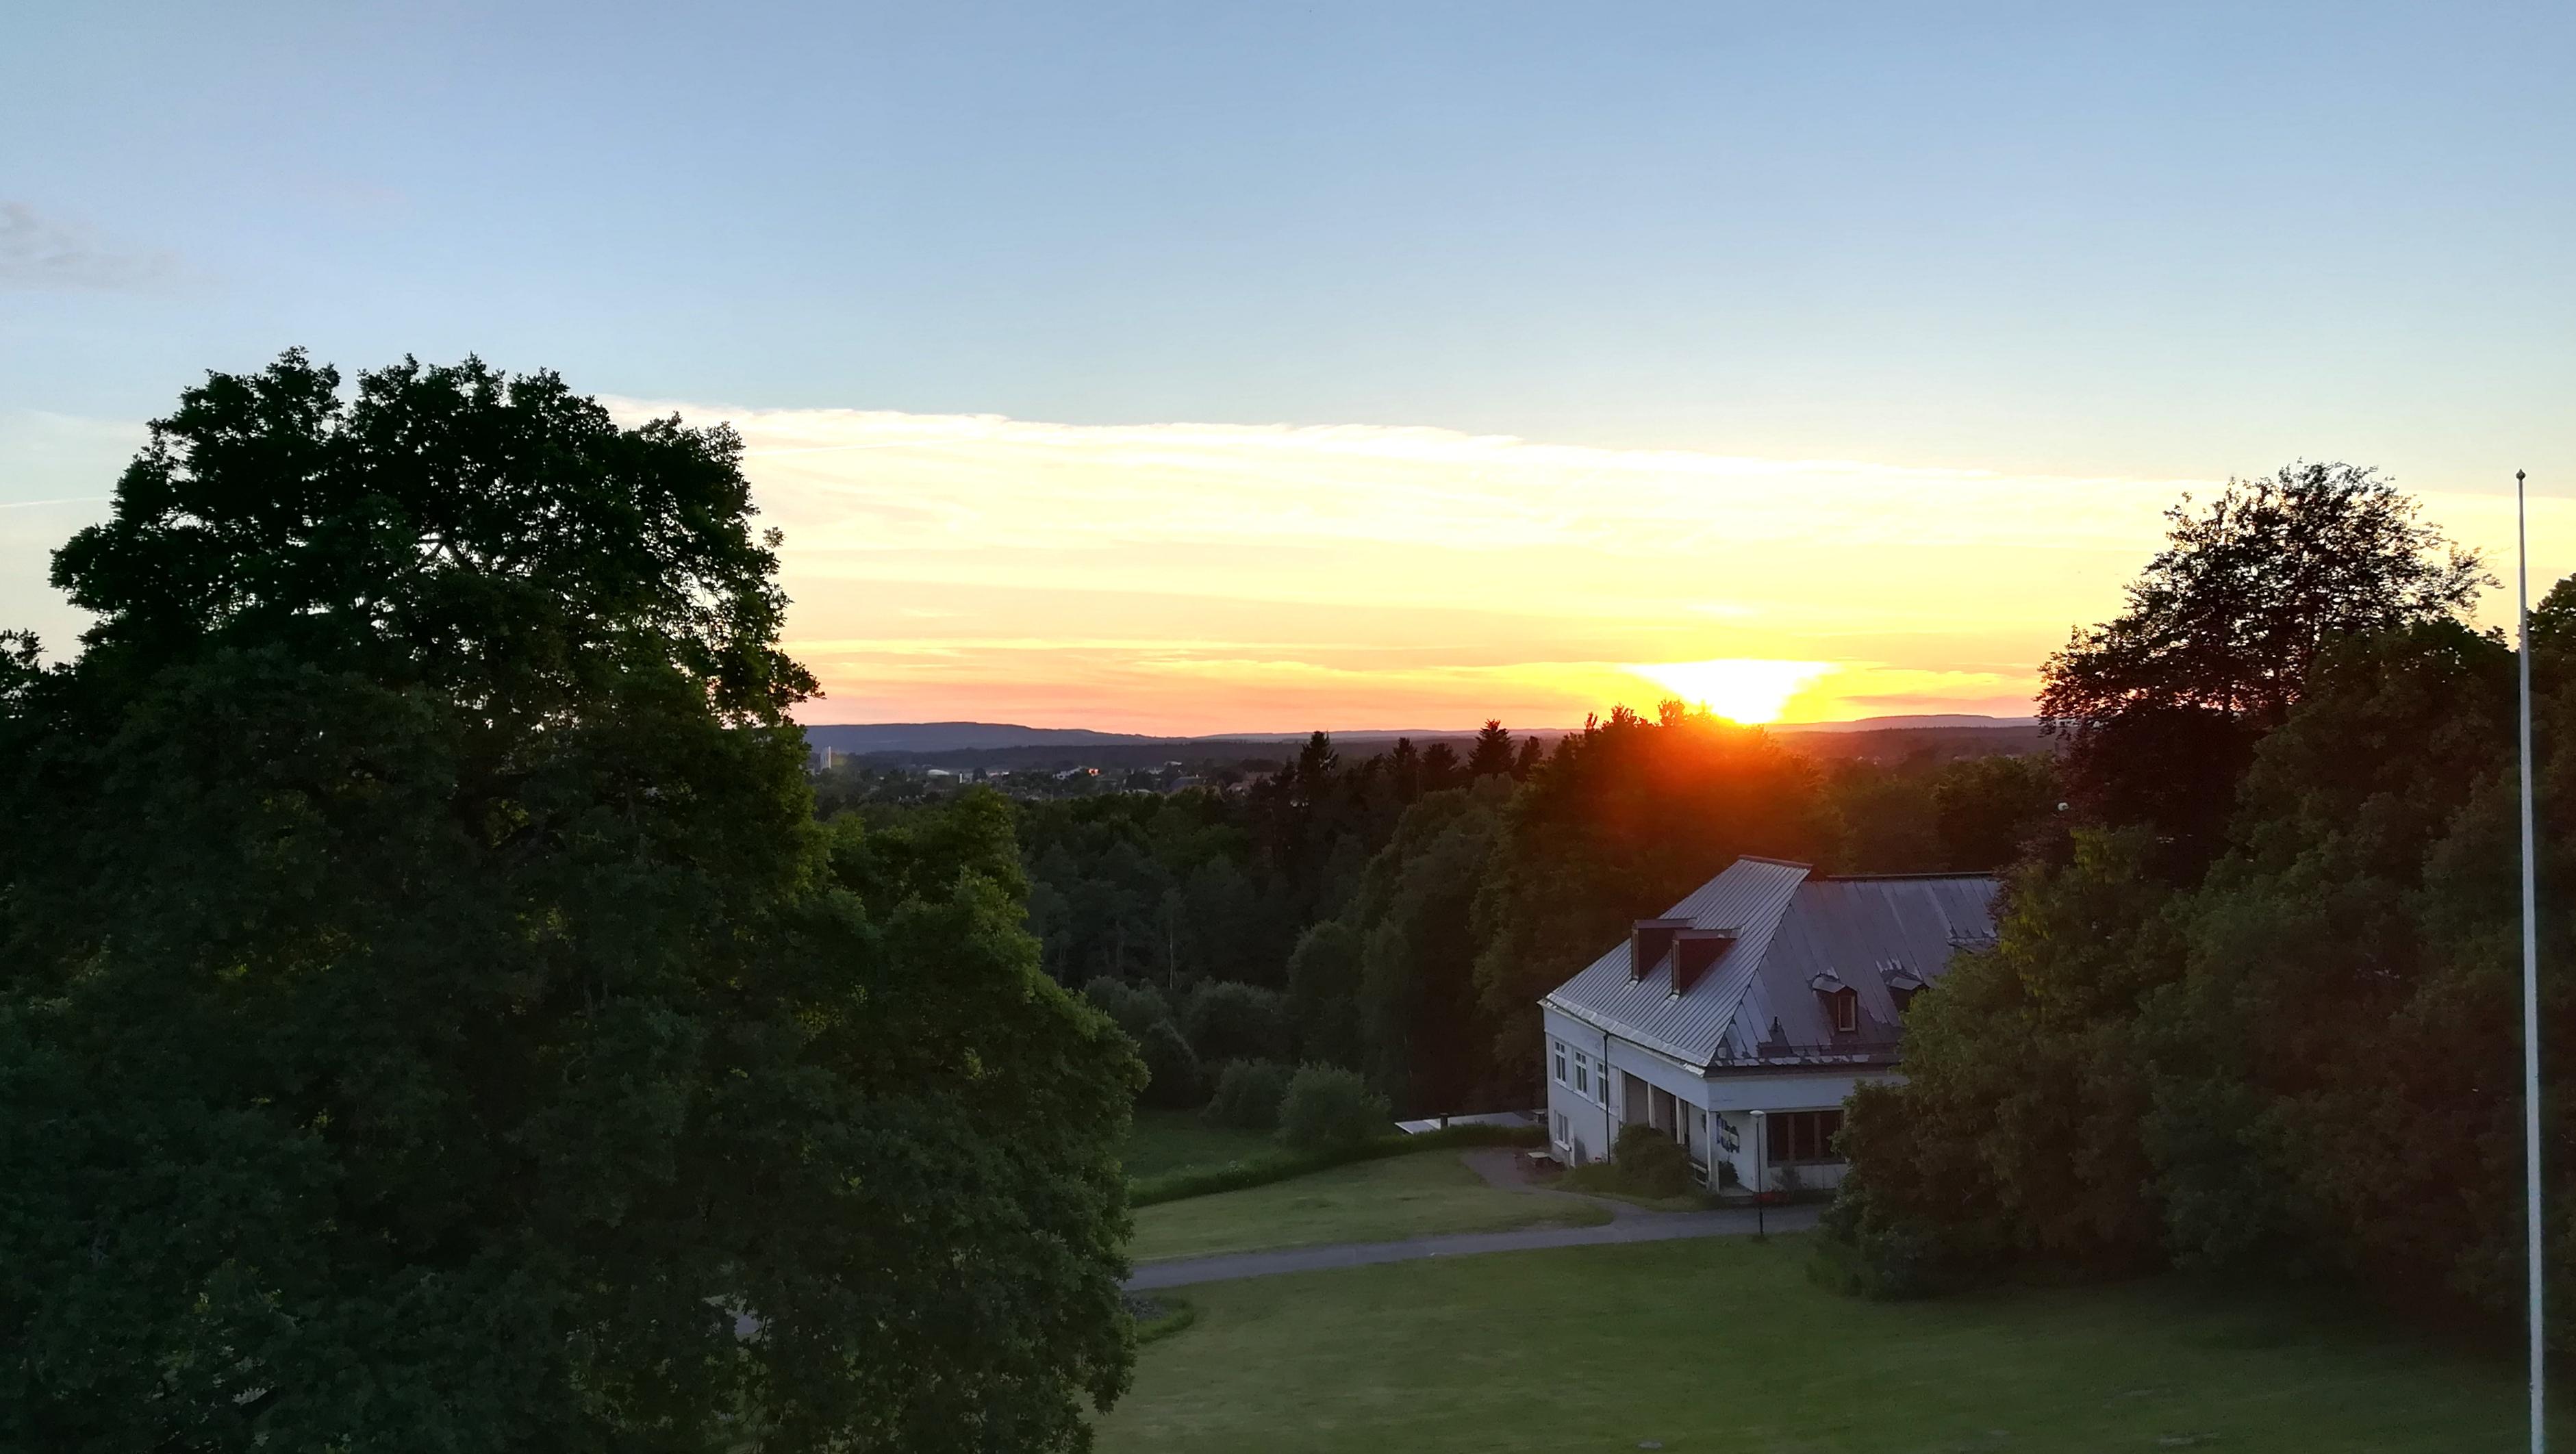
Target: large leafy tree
2303,1064
2161,705
429,1018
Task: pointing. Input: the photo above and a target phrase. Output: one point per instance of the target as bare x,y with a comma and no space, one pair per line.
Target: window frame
1803,1138
1558,1048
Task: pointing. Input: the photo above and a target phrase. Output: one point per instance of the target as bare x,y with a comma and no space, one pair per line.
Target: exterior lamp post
1759,1180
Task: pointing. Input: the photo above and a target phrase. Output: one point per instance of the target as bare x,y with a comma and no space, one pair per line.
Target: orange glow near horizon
1739,689
1194,579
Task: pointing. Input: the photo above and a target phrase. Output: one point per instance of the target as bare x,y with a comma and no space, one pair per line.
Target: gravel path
1629,1223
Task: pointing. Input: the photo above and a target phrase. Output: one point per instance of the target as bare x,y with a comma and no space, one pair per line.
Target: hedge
1270,1166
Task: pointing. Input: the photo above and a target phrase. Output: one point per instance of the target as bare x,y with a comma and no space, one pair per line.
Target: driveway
1499,1167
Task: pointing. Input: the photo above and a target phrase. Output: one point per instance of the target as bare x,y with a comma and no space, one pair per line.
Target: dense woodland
2258,1013
1400,913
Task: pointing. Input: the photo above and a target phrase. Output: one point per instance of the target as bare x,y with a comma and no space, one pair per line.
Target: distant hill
1905,723
999,744
873,737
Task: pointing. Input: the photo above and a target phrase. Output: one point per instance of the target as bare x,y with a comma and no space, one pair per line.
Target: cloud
1215,577
43,253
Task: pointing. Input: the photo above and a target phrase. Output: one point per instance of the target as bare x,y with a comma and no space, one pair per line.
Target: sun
1741,689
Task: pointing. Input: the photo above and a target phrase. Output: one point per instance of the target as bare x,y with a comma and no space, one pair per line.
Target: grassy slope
1373,1201
1170,1140
1721,1345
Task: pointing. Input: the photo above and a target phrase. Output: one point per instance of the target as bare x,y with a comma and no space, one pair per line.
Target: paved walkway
1629,1223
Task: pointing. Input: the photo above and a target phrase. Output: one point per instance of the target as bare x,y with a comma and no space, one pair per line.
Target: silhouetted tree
1986,808
1404,770
2161,706
1491,756
1440,768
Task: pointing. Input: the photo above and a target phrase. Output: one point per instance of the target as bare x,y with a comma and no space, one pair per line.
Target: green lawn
1170,1140
1370,1201
1722,1345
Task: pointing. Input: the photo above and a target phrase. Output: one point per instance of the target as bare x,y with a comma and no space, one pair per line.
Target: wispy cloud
1219,577
38,252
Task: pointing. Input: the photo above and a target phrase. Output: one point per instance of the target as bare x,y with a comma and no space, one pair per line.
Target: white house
1773,990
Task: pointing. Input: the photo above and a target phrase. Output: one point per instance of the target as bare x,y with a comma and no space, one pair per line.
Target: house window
1846,1010
1557,1129
1799,1137
1560,1060
1582,1074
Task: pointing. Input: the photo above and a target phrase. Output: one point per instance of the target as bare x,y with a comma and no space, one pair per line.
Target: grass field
1722,1345
1170,1140
1371,1201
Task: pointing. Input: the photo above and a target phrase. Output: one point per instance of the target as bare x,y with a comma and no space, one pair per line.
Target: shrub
1140,1010
1135,1007
1281,1164
1248,1093
1329,1106
1651,1163
1863,1250
1229,1021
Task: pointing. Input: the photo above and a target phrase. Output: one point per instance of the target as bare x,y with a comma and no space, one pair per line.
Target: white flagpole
2532,1231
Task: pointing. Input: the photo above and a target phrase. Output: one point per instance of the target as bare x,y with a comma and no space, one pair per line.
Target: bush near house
1248,1095
1652,1163
1329,1106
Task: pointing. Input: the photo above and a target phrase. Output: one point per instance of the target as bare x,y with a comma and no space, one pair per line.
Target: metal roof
1791,929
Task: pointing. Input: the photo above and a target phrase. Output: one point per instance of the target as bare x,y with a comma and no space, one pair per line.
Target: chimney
1694,951
1648,942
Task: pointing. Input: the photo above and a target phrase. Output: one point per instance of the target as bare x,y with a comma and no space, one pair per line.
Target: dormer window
1840,1002
1903,984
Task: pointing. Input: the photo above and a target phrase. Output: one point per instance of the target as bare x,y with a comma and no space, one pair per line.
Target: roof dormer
1840,1002
1695,951
1649,942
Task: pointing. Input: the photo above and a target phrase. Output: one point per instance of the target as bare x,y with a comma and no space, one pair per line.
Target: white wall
1727,1098
1590,1122
1736,1097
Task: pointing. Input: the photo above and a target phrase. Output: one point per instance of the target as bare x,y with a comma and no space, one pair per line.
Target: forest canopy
2261,1021
430,1016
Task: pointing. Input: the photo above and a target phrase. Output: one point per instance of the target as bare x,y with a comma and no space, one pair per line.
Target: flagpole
2532,1234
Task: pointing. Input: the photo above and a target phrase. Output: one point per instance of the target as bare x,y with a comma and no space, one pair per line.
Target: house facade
1771,989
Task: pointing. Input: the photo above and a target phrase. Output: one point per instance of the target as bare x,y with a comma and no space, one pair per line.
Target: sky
1205,368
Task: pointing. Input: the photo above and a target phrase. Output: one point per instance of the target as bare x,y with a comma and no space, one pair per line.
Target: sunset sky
1204,368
